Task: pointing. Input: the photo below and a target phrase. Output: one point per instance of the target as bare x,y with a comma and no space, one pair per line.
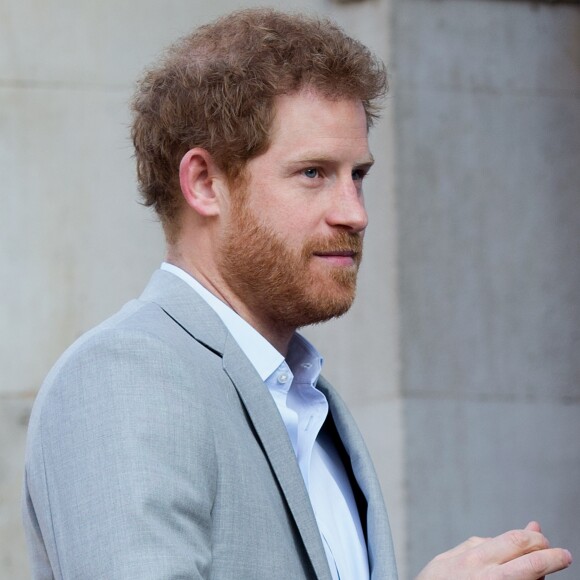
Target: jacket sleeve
121,469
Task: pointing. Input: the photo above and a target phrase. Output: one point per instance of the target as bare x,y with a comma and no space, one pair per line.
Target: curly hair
215,89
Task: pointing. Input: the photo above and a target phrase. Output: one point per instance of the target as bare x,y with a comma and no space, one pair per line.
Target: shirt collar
304,360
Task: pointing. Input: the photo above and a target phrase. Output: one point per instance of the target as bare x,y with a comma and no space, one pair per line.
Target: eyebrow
367,163
316,160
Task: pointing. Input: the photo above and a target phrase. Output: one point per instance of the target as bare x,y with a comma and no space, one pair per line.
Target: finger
535,527
511,545
537,564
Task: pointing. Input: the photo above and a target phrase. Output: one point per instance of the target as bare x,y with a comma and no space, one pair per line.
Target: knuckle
519,539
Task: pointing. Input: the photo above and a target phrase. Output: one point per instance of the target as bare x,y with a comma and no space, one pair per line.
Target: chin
325,308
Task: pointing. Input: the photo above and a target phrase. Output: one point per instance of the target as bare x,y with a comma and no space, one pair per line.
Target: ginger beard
289,288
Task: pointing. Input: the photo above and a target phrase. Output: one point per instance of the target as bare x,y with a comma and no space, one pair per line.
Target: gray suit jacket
156,452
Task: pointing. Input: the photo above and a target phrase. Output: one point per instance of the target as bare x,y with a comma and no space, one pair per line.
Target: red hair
215,89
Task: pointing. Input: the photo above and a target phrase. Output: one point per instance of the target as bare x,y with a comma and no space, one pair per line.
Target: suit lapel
379,540
191,312
274,439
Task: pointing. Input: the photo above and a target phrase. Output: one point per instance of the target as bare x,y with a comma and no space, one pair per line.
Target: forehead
306,121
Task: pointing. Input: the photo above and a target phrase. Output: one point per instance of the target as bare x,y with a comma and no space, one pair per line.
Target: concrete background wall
459,358
487,158
75,245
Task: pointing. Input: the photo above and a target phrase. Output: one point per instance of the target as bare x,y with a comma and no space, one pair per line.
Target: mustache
339,242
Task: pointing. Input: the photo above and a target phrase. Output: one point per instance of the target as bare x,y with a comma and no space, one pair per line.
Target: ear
201,182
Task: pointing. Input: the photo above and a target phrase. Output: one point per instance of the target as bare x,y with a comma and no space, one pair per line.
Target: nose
347,209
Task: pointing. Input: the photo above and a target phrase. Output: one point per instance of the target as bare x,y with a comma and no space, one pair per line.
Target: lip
339,257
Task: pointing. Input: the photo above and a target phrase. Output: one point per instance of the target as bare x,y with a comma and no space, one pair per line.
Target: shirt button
282,378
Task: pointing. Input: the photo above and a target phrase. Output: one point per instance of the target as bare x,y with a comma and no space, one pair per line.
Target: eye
311,172
359,174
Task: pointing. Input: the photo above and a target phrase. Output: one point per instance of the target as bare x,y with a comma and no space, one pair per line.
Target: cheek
297,232
284,211
286,221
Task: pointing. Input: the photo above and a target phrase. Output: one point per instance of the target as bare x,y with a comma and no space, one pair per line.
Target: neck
277,335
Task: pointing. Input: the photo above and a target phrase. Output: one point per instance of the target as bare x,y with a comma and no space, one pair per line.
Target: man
191,435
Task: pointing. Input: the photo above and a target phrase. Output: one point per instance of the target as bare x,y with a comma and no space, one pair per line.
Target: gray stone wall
75,245
487,123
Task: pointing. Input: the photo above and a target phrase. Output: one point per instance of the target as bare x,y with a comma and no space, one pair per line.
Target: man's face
293,241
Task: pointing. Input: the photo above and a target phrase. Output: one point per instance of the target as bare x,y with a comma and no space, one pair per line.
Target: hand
516,555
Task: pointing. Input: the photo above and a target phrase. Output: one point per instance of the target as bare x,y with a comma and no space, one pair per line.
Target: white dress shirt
292,384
